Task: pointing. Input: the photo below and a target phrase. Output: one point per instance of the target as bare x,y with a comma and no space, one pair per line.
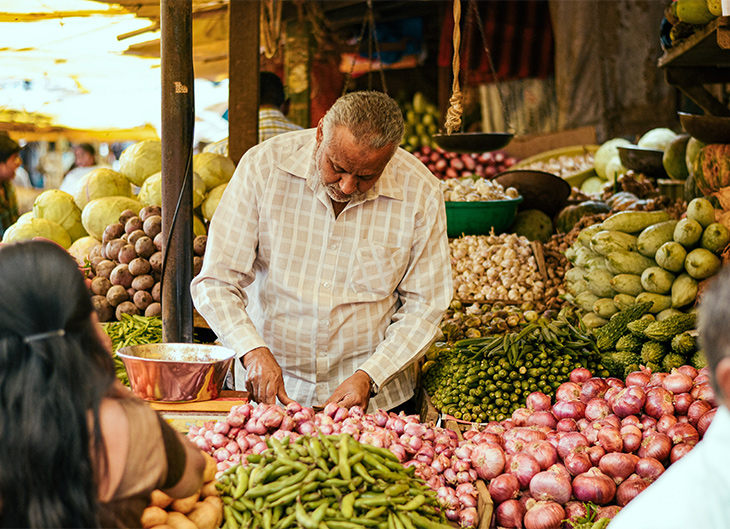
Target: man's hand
354,391
264,380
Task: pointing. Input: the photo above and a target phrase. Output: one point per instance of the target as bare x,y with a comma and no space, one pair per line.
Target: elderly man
695,491
327,267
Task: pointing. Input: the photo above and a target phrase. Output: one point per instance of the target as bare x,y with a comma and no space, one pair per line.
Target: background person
327,268
85,161
695,491
273,107
9,162
77,449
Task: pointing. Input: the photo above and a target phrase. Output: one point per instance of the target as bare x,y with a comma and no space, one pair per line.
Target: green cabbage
211,201
101,212
101,182
59,206
141,160
25,217
26,231
81,248
214,169
605,153
198,226
151,192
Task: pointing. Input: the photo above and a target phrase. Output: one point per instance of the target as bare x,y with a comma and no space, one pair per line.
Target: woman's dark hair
50,388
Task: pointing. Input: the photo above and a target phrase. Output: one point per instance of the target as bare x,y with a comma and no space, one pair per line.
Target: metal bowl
176,372
540,190
708,129
646,161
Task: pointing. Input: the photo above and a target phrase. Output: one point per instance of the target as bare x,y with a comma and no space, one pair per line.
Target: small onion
572,442
579,375
682,402
690,371
551,486
610,439
595,453
629,401
469,517
613,420
679,451
543,452
658,402
538,401
629,489
677,382
574,510
543,515
656,445
510,514
683,433
568,391
704,423
665,422
701,378
504,487
648,423
705,392
569,409
577,463
520,416
618,466
542,418
696,410
656,379
638,378
523,466
609,511
488,460
593,388
594,486
649,468
566,425
597,408
614,382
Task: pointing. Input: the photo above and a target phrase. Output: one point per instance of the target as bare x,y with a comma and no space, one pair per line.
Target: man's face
7,169
346,169
83,158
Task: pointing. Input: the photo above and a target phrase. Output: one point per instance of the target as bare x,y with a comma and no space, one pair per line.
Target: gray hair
714,313
372,117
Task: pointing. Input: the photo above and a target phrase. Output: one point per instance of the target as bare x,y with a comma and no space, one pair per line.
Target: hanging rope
368,20
456,109
270,26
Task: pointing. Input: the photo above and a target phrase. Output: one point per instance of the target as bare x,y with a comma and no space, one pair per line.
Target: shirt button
326,284
333,247
322,354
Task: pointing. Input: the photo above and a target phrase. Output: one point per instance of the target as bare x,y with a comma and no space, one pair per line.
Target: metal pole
178,118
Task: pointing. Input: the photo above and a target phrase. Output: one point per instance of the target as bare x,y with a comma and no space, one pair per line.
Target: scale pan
473,141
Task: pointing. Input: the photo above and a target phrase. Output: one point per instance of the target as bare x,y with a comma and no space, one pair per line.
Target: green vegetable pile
326,482
486,379
132,330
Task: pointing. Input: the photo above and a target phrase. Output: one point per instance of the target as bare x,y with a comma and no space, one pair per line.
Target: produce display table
182,416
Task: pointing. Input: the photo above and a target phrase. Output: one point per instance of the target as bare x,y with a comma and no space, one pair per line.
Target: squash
570,215
712,168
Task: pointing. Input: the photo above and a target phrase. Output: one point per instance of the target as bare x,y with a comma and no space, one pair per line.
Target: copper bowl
176,372
708,129
641,160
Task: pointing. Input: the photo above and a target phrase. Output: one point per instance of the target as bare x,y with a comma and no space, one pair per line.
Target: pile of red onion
445,164
602,441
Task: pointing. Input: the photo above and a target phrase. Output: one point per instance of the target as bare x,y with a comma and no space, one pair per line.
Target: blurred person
327,268
695,491
9,163
85,161
77,449
273,107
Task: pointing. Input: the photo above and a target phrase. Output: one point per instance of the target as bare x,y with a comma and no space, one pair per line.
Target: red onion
595,387
690,371
656,445
658,402
631,438
543,452
614,382
569,409
682,403
467,500
527,434
218,440
610,439
524,467
538,401
629,401
544,515
613,420
488,461
542,418
447,498
520,416
665,422
572,442
566,425
568,391
649,468
656,379
704,423
638,378
648,424
618,466
582,424
677,382
504,487
513,445
573,511
631,419
683,433
204,444
701,378
591,432
461,465
696,410
466,488
611,394
468,517
629,489
595,453
551,486
597,408
221,427
594,486
706,393
579,375
451,514
679,451
609,511
577,463
510,514
399,451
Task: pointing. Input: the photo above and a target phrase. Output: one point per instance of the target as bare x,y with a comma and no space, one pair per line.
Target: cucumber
634,221
593,320
599,282
654,236
627,284
623,301
585,300
574,274
657,280
605,308
684,291
605,242
585,235
628,262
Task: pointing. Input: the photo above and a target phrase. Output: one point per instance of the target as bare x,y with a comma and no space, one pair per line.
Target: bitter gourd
684,344
668,328
653,352
629,342
609,334
672,361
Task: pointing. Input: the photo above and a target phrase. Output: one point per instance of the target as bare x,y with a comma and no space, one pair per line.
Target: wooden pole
178,119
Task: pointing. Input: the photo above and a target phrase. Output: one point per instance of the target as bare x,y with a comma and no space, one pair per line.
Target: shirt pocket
377,269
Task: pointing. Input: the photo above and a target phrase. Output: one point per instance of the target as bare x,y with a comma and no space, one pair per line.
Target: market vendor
695,491
9,163
327,267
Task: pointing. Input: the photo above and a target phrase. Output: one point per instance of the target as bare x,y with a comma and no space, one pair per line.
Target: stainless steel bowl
176,372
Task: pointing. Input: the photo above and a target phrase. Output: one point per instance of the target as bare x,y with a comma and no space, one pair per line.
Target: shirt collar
301,165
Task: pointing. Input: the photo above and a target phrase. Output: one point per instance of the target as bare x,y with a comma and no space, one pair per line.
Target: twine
456,109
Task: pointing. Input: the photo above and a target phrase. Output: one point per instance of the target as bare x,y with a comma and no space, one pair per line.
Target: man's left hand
354,391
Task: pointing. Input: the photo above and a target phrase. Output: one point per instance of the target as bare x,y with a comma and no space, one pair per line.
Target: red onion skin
614,382
524,433
520,416
573,510
582,424
577,463
579,375
572,442
631,441
618,466
569,409
594,388
538,401
510,514
629,401
594,486
542,418
544,515
544,453
566,425
631,419
610,439
613,420
504,487
704,423
513,445
629,489
596,409
551,486
683,434
595,453
649,468
701,378
656,379
705,392
488,461
524,467
696,410
682,402
665,422
679,451
638,378
658,402
567,391
690,371
656,445
677,382
648,423
609,511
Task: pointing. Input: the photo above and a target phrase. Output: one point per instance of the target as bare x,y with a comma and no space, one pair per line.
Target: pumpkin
712,168
570,215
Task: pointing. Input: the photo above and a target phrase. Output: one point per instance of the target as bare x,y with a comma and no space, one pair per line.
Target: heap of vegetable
330,479
132,330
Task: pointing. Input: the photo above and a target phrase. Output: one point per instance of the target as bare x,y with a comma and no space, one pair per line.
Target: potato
160,499
149,211
178,520
214,500
113,231
113,247
185,505
205,516
142,300
126,215
152,226
139,266
135,236
156,261
127,254
145,247
152,516
197,264
104,268
157,292
158,240
153,309
209,489
199,244
143,282
121,276
126,307
117,294
95,255
102,307
133,224
210,468
100,285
